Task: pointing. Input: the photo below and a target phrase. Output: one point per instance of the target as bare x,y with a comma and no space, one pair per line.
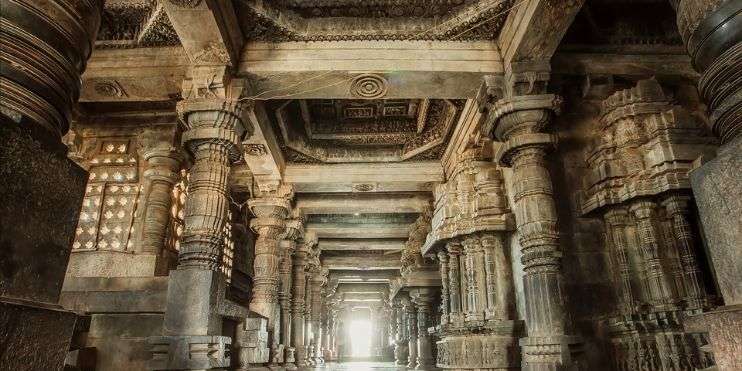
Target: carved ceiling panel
334,20
347,130
135,23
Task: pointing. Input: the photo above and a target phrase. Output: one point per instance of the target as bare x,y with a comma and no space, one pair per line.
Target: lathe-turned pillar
411,314
287,248
214,132
270,210
298,303
163,171
45,48
518,122
319,278
423,300
400,343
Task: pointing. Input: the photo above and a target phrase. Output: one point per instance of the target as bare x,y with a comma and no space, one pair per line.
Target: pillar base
548,352
494,348
189,352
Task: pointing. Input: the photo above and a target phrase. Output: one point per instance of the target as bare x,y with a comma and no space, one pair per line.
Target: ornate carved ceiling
374,130
330,20
135,23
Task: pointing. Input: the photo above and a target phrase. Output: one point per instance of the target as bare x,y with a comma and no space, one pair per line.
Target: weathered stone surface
716,186
34,337
36,225
120,340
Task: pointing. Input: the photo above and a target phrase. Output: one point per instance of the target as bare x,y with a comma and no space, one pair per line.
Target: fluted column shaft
695,290
443,266
499,278
615,222
454,276
659,287
161,175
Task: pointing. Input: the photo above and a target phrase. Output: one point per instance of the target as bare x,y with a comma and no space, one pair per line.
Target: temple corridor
464,185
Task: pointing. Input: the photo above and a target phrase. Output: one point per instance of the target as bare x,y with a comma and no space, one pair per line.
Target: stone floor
360,366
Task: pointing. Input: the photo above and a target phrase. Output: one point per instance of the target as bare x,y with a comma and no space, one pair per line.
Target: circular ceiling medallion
369,86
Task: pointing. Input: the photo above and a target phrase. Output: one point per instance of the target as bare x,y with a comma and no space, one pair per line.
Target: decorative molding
369,86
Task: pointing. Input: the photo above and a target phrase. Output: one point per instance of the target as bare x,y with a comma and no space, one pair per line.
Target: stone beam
412,69
534,29
134,75
208,31
366,277
356,178
353,244
350,230
362,203
362,288
262,153
628,65
361,262
359,297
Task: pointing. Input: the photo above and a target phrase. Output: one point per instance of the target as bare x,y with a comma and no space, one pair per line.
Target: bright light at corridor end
360,337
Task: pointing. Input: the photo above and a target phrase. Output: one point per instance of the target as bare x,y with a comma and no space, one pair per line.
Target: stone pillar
475,278
411,313
400,357
454,285
287,247
518,123
214,133
298,302
712,32
499,278
443,266
45,46
423,300
318,281
163,171
695,291
616,220
659,287
270,209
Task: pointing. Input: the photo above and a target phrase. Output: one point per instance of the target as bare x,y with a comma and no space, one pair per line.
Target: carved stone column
400,344
298,302
475,278
695,290
45,46
411,313
287,247
615,223
659,287
270,209
163,171
712,32
518,123
499,278
423,300
443,266
318,281
454,284
196,290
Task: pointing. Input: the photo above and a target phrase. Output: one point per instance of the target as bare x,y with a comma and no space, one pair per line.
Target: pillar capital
617,216
643,209
162,164
677,204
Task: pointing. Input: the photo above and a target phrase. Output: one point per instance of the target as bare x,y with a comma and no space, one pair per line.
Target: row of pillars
411,319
